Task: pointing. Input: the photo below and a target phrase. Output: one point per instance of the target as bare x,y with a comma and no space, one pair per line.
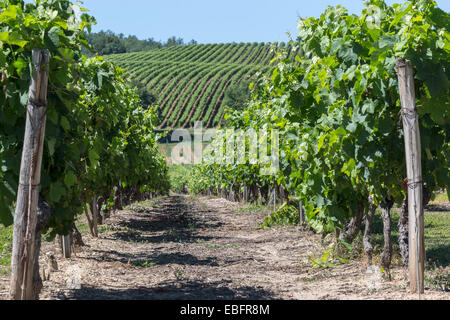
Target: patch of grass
105,228
82,227
285,215
152,203
249,208
336,253
440,198
143,206
6,235
437,245
144,264
178,273
437,236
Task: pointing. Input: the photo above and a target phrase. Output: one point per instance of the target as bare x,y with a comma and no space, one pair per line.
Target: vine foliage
337,109
97,133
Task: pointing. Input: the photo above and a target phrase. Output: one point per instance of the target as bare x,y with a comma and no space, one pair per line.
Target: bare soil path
205,248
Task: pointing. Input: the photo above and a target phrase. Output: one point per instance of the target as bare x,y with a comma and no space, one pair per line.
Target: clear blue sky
212,21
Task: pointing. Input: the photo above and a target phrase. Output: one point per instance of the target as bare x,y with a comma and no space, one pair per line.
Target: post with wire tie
25,216
411,131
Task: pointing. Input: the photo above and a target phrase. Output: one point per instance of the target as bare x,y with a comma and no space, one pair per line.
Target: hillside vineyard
190,81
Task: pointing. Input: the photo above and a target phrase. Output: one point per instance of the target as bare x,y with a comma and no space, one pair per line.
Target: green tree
106,43
146,96
237,96
174,41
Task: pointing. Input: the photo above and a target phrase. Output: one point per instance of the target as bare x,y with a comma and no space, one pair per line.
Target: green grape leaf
65,123
93,158
70,179
51,146
6,213
53,35
13,38
57,190
20,64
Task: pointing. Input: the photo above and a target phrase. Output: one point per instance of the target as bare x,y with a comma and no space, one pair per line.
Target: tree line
107,42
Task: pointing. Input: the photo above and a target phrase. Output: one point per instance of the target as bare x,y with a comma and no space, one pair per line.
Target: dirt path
204,248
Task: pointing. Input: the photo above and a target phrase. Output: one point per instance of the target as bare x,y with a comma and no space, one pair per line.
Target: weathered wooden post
90,222
282,195
411,130
274,199
121,194
66,246
301,212
94,216
25,216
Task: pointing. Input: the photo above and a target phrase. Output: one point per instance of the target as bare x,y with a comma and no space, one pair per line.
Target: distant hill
190,81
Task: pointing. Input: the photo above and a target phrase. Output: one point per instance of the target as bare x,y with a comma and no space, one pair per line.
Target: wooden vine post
94,215
66,246
301,212
21,286
411,130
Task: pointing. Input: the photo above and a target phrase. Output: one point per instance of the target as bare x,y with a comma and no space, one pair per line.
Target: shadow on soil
440,255
176,220
173,221
172,290
156,258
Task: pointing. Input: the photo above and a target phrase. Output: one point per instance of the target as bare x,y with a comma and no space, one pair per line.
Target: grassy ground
83,227
437,236
439,198
5,249
437,244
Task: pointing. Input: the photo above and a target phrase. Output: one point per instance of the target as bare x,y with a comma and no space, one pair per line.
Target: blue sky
212,21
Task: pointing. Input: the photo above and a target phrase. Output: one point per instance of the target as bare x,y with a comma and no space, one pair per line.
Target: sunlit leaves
13,38
341,138
53,35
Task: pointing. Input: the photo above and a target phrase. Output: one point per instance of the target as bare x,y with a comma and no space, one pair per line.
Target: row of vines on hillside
210,53
186,79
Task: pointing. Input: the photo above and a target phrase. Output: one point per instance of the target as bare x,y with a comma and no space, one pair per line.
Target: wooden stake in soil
274,199
25,216
301,212
91,224
414,169
94,216
66,246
